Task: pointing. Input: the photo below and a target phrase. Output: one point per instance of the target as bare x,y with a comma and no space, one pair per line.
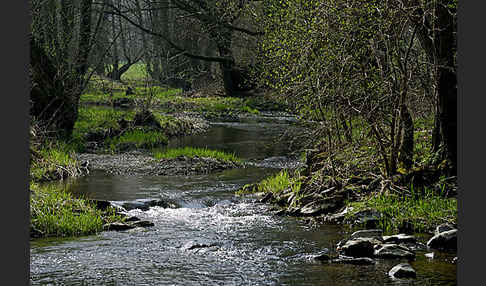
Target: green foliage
52,160
139,138
425,210
55,212
274,184
200,152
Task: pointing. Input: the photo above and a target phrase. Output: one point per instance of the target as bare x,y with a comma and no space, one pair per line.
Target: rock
338,217
357,248
402,270
353,260
323,256
197,244
399,238
446,240
443,228
268,197
131,219
369,219
429,255
374,233
142,223
393,251
117,226
144,204
317,208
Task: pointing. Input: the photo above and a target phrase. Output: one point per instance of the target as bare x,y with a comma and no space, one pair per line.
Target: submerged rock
198,244
142,223
393,251
353,260
402,270
446,240
117,226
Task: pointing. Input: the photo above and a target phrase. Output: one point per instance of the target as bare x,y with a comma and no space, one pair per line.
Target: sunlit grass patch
192,152
139,138
274,184
55,212
51,161
92,117
424,211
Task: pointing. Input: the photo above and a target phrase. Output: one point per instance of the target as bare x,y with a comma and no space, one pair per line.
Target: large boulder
359,247
443,227
446,240
402,270
393,251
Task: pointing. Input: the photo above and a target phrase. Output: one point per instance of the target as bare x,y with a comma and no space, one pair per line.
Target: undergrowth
424,210
55,212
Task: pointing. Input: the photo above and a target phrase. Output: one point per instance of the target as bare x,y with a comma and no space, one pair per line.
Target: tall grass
425,210
200,152
53,160
55,212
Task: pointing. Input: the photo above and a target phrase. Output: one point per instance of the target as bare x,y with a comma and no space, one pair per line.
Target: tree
60,42
217,20
339,60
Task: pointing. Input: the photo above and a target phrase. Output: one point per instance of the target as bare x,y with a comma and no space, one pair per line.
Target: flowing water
247,245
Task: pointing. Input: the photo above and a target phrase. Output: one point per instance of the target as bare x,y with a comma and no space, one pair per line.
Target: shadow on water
240,242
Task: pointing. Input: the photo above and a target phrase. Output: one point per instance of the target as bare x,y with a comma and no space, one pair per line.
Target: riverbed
213,237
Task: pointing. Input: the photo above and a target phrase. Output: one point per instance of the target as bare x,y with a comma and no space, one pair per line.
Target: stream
247,244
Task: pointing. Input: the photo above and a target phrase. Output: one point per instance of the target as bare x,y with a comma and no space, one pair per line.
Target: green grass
136,72
274,184
91,118
200,152
425,210
53,160
139,138
55,212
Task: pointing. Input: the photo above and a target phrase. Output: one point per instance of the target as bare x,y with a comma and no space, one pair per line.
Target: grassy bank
193,152
423,211
104,91
55,212
349,173
114,130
